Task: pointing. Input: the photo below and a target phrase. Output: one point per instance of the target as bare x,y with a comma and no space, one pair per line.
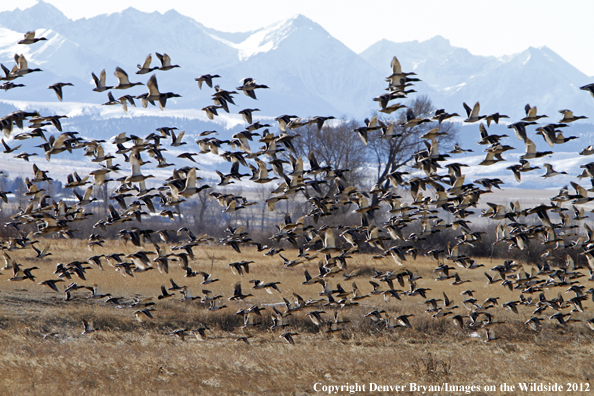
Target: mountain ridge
309,71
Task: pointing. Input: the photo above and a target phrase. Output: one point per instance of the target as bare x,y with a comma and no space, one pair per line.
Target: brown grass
125,357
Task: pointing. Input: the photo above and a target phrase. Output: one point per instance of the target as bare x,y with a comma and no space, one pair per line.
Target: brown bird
57,87
30,38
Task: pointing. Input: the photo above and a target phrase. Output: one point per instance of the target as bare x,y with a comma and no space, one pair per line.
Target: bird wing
530,147
329,241
396,68
475,110
147,62
153,87
121,75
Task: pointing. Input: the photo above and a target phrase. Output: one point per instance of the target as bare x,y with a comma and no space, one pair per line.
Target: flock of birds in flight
560,267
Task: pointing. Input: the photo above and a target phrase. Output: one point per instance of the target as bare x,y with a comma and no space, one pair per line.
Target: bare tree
337,146
392,153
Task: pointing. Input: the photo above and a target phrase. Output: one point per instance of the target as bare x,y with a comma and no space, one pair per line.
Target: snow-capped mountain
308,71
537,76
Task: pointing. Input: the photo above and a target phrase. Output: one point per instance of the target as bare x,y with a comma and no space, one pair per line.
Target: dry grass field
44,352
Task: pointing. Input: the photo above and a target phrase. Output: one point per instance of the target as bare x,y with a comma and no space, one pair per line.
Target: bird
473,114
200,333
531,114
153,94
10,85
207,278
569,117
124,100
534,323
51,283
7,148
247,114
165,62
395,79
22,66
123,81
249,86
489,336
531,151
88,327
551,172
329,243
206,78
25,156
111,100
237,294
146,66
288,337
41,254
57,87
588,88
31,39
142,315
100,82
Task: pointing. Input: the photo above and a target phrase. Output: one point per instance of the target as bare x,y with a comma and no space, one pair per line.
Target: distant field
44,351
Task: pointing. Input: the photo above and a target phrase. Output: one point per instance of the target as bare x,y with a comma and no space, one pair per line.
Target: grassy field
44,352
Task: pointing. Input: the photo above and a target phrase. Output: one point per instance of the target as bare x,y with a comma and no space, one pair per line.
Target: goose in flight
237,294
153,94
329,242
534,323
473,114
211,111
146,66
491,159
7,148
553,136
100,82
88,327
288,337
110,100
136,175
57,87
10,85
9,75
489,336
397,75
206,78
22,66
551,172
142,315
123,81
441,115
249,86
30,38
531,114
531,151
247,114
569,117
262,176
124,100
269,286
207,278
494,118
41,254
588,88
165,62
51,283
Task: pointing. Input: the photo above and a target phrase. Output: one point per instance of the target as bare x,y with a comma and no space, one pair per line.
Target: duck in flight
124,82
30,38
